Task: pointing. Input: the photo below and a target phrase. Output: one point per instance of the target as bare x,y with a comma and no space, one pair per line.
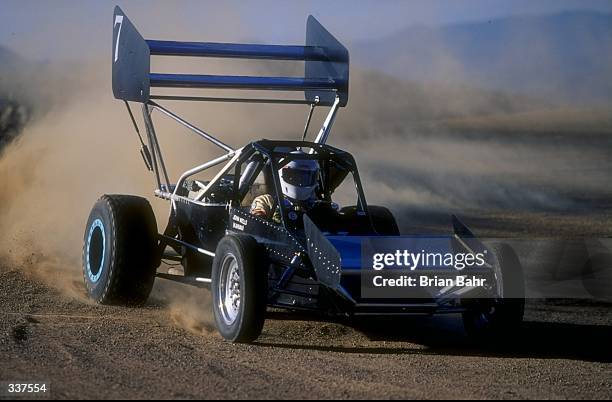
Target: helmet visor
299,177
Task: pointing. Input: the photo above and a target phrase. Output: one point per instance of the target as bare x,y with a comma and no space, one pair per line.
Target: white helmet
298,178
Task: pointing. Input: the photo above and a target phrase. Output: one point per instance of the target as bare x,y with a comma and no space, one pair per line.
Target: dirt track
169,350
89,351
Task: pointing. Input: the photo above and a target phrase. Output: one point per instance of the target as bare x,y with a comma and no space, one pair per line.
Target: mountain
564,56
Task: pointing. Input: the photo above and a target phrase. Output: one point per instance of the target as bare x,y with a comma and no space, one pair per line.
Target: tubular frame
167,190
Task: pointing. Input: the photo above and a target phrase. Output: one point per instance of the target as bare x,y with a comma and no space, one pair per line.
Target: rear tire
381,217
383,220
492,319
119,251
239,289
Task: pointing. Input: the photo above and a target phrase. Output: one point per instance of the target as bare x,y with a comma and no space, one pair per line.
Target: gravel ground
168,349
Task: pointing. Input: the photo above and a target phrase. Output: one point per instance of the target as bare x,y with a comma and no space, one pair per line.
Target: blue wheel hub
96,249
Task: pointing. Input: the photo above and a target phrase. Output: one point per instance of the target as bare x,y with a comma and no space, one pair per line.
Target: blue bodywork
350,247
354,255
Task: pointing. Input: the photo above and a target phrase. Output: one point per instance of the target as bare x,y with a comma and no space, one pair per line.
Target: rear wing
326,72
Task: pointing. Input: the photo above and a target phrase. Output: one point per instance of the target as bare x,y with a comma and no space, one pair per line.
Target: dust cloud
189,307
84,146
419,147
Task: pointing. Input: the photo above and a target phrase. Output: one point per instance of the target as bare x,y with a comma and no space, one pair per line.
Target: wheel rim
228,289
484,317
96,249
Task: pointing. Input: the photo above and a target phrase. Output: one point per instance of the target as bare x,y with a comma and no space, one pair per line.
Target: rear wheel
239,289
381,218
119,251
490,319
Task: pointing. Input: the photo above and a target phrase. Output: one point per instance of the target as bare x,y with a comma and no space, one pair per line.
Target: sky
44,30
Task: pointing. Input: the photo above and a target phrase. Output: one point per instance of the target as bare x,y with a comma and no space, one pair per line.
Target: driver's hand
260,213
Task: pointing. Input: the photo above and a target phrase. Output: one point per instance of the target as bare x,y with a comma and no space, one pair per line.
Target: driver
298,180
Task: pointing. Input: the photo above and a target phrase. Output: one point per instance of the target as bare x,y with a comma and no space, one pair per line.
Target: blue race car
266,230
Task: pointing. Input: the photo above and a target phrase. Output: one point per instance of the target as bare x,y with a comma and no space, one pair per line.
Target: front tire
239,289
597,276
119,251
492,319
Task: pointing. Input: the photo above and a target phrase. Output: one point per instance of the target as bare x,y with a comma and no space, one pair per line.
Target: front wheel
491,319
597,276
239,289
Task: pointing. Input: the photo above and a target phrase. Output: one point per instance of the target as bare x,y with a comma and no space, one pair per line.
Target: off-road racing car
295,258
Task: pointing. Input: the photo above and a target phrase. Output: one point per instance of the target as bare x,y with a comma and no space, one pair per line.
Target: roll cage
324,83
335,166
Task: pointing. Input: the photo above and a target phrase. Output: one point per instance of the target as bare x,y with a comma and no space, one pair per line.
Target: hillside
565,55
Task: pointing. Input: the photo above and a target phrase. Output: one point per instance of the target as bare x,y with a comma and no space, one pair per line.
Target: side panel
336,68
202,226
280,246
325,259
131,60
